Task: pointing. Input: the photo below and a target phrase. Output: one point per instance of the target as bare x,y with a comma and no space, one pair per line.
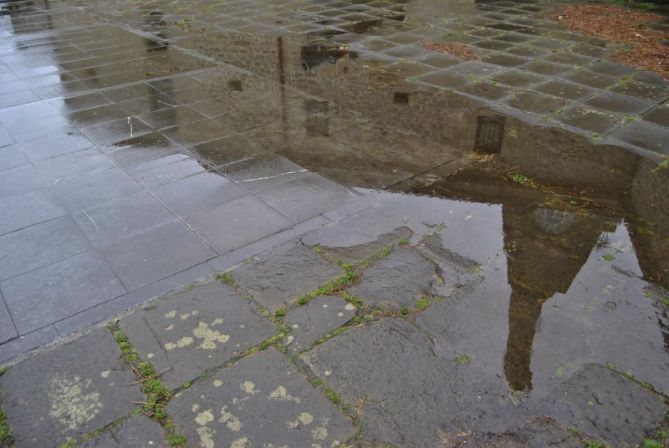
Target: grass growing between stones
157,394
227,279
349,276
6,439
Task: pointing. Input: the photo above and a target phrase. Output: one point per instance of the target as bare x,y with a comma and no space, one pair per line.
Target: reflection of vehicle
318,53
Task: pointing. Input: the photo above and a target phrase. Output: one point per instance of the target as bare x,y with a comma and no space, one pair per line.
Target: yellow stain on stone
70,405
171,315
305,418
169,327
204,417
349,307
248,387
281,393
218,383
195,407
206,437
209,337
181,343
321,432
240,443
230,420
217,321
105,374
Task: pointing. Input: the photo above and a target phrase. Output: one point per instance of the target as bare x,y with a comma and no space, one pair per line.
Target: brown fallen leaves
460,51
645,45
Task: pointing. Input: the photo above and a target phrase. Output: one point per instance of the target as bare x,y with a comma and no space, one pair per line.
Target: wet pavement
419,251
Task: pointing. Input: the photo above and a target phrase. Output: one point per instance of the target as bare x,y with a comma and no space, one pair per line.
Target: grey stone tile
224,409
51,146
197,193
563,89
66,166
316,319
16,98
199,132
19,180
645,135
11,157
122,218
505,60
27,209
81,102
14,116
7,329
84,384
138,432
195,330
518,78
228,150
486,90
642,90
592,79
97,115
281,278
173,116
116,131
156,254
444,79
237,223
143,152
536,102
615,102
94,188
439,60
659,115
306,197
51,293
262,171
590,120
166,170
5,138
611,68
51,126
475,68
25,343
546,68
40,245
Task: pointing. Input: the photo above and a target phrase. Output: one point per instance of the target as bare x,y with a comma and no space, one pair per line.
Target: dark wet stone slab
166,169
399,279
60,290
611,68
173,116
311,322
642,90
606,406
592,79
443,79
138,432
518,78
476,69
537,432
486,90
261,401
195,330
262,171
40,245
7,329
591,120
569,58
546,68
142,153
96,115
645,135
439,60
84,384
227,150
115,131
200,132
506,60
28,209
71,164
615,102
285,276
562,89
659,115
166,250
536,102
246,219
81,102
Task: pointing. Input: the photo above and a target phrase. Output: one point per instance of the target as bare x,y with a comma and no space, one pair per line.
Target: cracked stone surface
357,253
261,401
195,330
314,320
400,279
286,276
138,432
83,385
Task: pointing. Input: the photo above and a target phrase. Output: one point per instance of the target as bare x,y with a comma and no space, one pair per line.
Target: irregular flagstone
357,253
260,402
284,277
537,432
605,405
195,330
138,432
400,279
406,394
82,385
311,322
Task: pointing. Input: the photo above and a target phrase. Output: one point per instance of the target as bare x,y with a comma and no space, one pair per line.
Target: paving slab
261,401
357,253
19,180
27,209
84,384
52,146
137,432
645,135
60,168
195,330
314,320
11,157
399,279
7,329
282,278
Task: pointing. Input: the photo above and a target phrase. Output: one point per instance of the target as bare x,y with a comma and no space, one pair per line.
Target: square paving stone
505,60
518,78
592,79
51,146
96,115
615,102
199,192
81,102
642,90
166,170
314,320
68,165
475,68
536,102
227,150
658,115
19,180
562,89
261,401
486,90
84,385
7,329
173,116
54,292
199,132
285,276
263,171
11,157
115,131
156,254
546,68
439,60
611,68
645,135
444,79
142,152
28,209
122,218
40,245
590,120
5,138
195,330
138,432
237,223
399,279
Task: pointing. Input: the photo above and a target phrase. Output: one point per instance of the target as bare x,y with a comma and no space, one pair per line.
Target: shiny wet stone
319,317
195,330
591,120
286,276
27,209
137,432
399,279
84,384
225,409
615,102
645,135
536,102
